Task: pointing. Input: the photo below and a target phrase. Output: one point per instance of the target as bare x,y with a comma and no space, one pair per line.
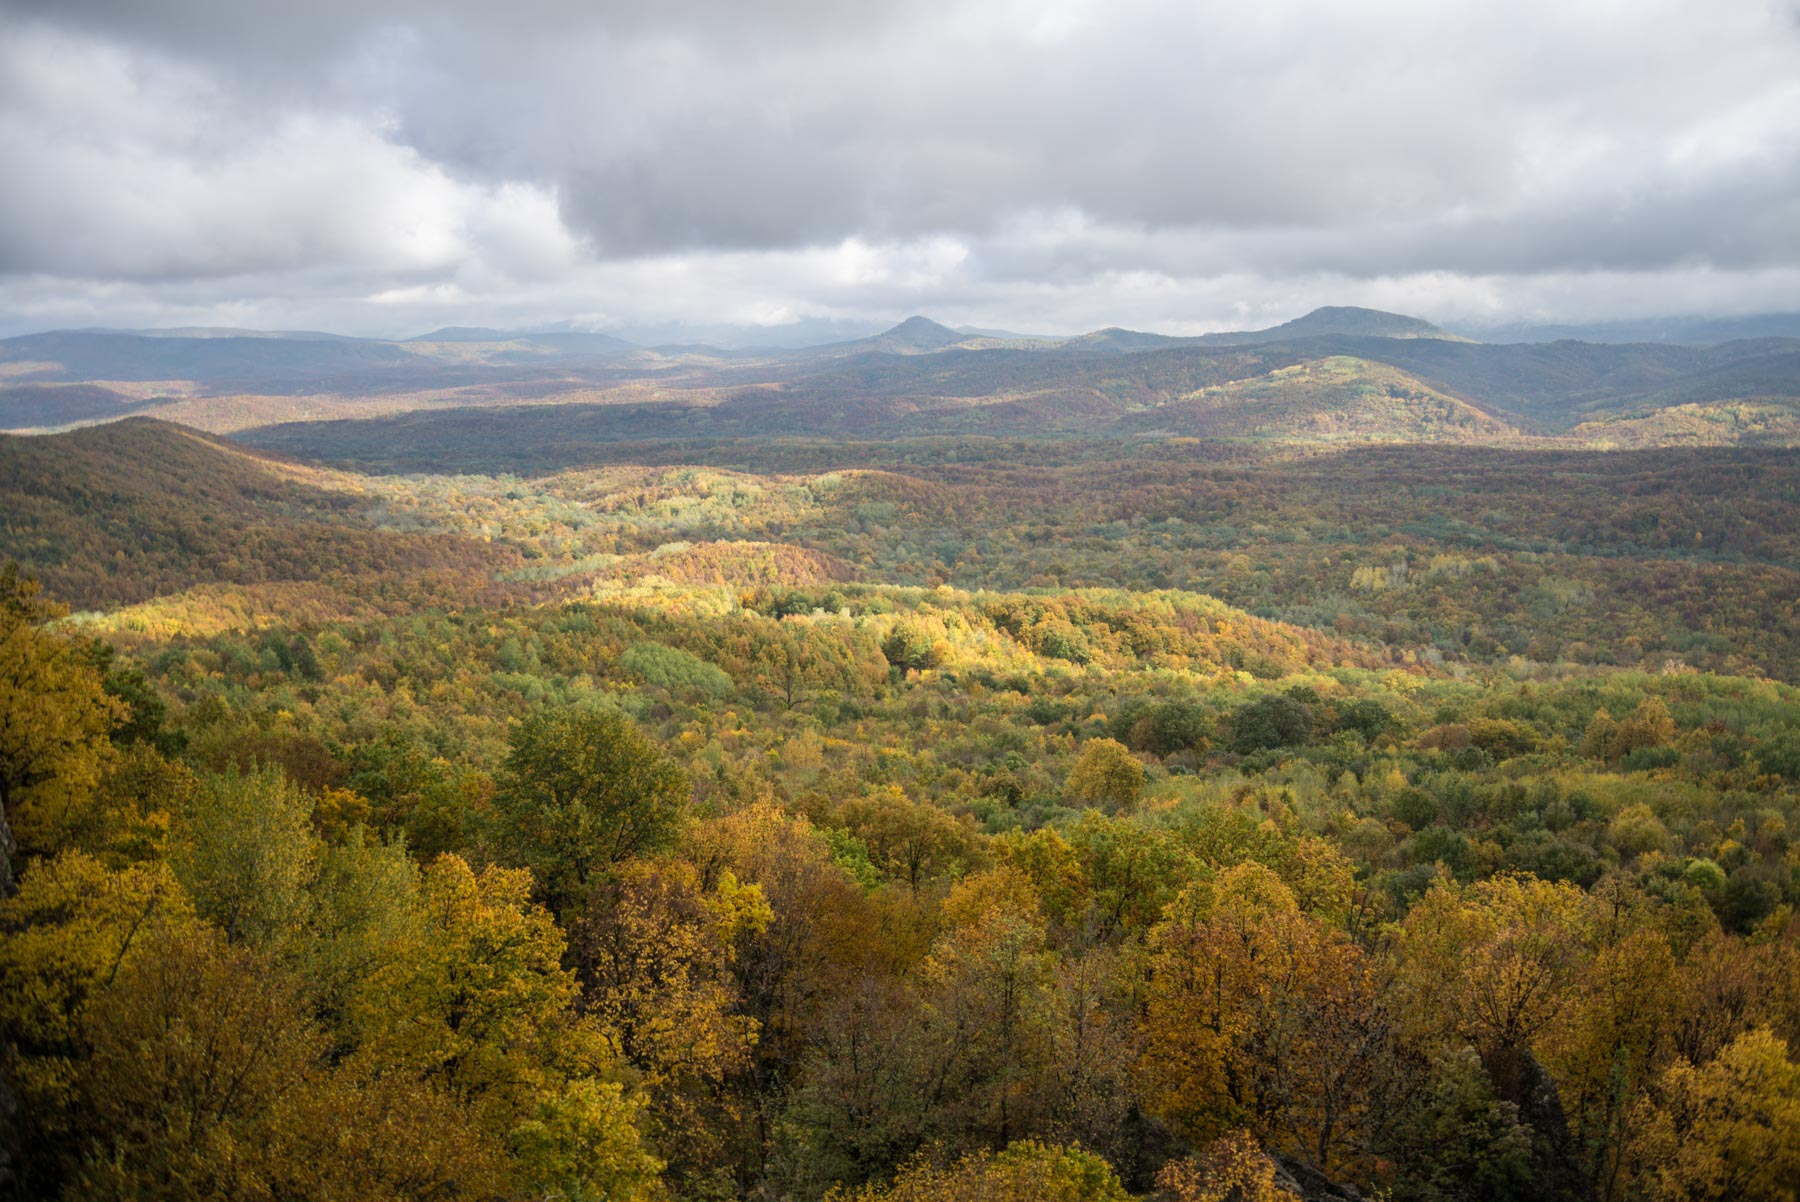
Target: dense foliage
927,820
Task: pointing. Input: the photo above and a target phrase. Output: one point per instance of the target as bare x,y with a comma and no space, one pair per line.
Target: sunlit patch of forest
935,818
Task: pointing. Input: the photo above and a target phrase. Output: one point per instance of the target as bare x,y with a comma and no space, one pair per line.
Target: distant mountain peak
1368,323
924,333
914,336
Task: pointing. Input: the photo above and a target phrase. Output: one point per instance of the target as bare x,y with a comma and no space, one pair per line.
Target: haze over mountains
220,353
1338,374
1692,331
224,353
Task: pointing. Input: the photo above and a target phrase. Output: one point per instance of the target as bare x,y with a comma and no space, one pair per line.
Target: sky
384,167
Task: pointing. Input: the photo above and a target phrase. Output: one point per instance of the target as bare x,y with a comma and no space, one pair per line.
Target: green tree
474,1003
1131,871
580,1145
1277,721
908,649
911,841
245,850
581,791
676,670
786,667
1170,727
365,904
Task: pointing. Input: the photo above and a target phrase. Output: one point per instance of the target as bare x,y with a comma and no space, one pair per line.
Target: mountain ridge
919,373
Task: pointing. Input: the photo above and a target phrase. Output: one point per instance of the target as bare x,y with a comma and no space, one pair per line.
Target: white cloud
1052,164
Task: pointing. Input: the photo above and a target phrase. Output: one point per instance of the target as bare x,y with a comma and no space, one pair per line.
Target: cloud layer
385,165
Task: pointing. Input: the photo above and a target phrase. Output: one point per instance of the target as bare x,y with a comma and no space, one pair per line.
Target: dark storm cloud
391,160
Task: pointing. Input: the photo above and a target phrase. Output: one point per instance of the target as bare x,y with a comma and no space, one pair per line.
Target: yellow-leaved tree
1617,1029
1490,964
1727,1129
1260,1016
477,1004
1232,1168
1107,776
65,937
652,952
985,1006
54,720
1027,1171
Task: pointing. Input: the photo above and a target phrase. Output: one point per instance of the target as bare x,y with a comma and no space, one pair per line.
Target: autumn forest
1361,764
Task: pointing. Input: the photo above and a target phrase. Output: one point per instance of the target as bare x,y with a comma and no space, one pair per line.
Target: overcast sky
387,166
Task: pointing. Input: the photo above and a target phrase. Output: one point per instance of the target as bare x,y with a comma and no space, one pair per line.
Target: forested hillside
141,509
504,810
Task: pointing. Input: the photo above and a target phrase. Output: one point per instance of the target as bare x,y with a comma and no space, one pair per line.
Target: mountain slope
138,508
1335,400
40,406
919,334
1738,423
1559,384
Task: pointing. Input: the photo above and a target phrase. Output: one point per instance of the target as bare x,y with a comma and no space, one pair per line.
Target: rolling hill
1334,400
135,509
1741,423
1555,386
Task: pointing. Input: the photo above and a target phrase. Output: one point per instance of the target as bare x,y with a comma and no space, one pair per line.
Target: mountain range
1336,374
235,356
